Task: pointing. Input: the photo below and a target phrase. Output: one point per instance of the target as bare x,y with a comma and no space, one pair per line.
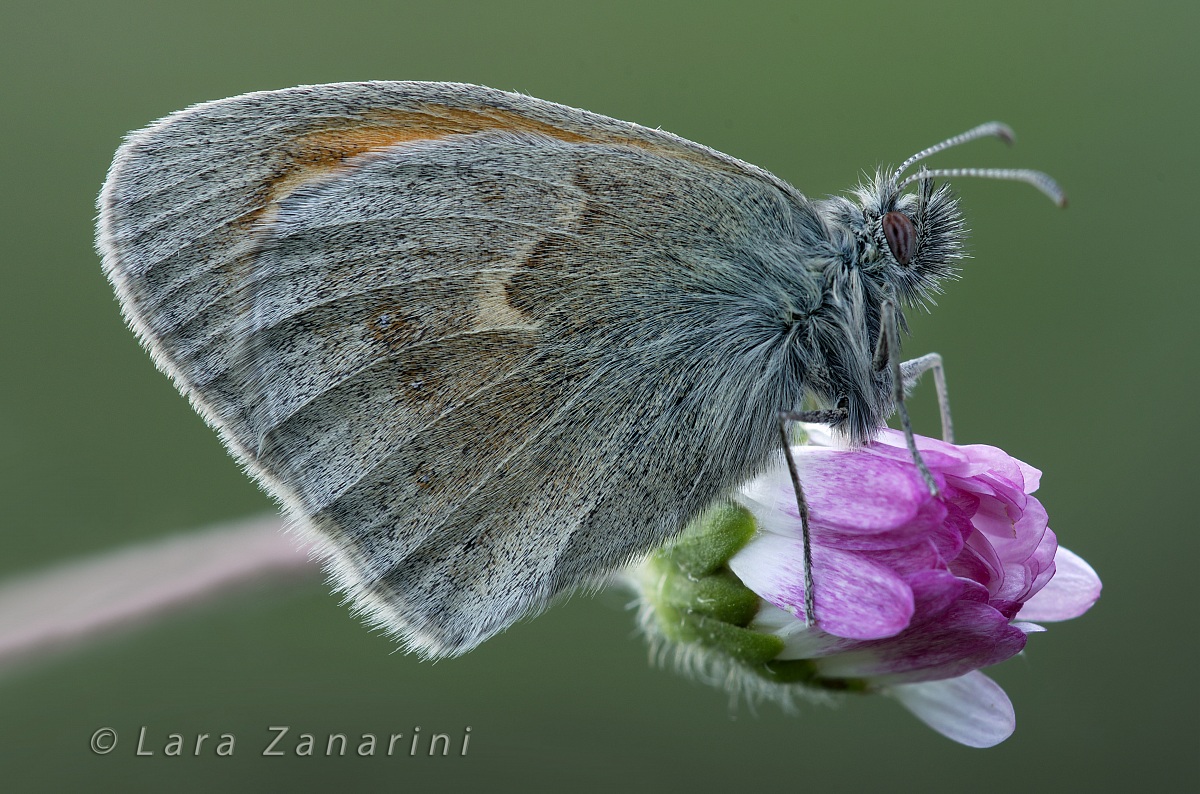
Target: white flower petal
824,436
800,642
1069,593
773,620
971,709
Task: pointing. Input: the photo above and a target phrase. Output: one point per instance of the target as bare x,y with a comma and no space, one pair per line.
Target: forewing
488,348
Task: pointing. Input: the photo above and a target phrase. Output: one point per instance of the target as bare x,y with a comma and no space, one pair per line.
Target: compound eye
901,236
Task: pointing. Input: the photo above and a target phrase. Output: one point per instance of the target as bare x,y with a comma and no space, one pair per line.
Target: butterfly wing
488,348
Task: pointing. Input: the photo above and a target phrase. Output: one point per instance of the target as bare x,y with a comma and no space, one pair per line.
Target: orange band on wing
324,150
317,153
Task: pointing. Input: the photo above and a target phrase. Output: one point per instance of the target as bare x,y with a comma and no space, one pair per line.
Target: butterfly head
904,243
897,237
904,233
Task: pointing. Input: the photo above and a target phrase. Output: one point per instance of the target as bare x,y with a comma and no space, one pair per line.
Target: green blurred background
1070,342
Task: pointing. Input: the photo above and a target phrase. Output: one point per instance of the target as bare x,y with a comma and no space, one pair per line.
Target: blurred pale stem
84,599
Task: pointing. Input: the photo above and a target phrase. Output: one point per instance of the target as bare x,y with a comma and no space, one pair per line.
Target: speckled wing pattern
485,348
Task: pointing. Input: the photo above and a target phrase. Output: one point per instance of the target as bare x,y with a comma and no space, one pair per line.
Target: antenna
992,129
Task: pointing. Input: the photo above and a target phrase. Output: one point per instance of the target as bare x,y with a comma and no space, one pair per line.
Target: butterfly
487,349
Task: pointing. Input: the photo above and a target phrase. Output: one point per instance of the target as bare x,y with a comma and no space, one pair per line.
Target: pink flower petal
979,561
907,560
938,455
1025,577
1070,593
931,524
998,463
971,709
970,565
968,636
856,501
1032,476
855,598
934,592
856,492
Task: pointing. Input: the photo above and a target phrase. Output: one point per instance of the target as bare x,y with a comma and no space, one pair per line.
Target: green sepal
708,543
721,595
804,671
749,647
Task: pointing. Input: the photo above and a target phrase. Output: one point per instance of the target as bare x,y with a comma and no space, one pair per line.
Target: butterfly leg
911,371
887,354
810,608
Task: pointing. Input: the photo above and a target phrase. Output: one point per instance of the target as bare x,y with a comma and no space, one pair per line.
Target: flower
914,593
